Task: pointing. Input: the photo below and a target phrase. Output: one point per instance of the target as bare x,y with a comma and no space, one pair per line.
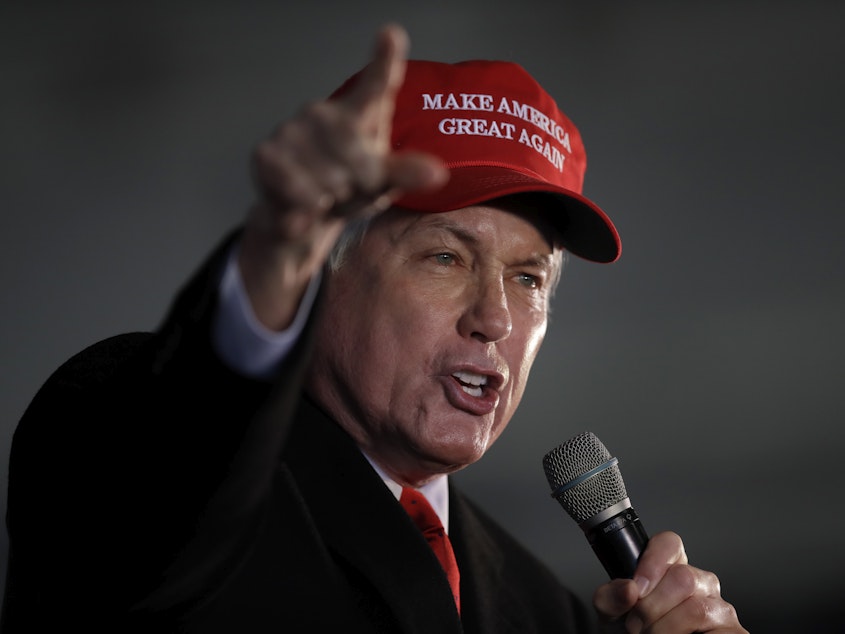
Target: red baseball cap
499,133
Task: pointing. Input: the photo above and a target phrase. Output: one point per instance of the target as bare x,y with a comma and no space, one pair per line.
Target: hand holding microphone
652,586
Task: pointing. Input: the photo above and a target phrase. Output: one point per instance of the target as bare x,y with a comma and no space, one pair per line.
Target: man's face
430,329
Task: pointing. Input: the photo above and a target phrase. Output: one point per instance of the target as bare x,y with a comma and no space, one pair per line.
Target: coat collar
364,526
487,602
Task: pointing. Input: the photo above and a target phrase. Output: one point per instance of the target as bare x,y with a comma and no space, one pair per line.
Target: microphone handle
618,542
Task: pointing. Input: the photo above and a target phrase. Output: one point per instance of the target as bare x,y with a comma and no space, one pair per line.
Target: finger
284,183
316,157
696,614
380,80
415,171
351,170
317,163
372,96
614,599
663,551
680,584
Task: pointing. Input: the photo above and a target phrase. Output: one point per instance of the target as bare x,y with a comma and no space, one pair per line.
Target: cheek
417,315
394,342
534,327
521,361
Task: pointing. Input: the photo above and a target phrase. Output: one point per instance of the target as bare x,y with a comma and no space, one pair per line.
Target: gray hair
355,231
351,237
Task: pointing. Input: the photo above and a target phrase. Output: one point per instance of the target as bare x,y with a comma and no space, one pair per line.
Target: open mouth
471,383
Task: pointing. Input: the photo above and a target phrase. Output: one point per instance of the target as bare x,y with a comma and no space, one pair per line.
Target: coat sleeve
140,470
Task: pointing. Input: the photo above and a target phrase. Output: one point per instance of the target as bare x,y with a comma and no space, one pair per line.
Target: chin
456,456
458,443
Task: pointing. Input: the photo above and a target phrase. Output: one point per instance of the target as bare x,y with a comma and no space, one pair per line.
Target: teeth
470,378
471,383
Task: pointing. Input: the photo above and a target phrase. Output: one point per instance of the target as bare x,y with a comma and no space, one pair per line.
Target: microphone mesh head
574,458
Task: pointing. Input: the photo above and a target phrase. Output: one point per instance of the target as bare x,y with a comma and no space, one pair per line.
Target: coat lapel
488,603
369,533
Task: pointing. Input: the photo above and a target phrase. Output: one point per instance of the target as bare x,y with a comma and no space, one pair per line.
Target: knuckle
697,611
685,579
324,121
713,583
284,191
286,132
674,537
288,189
707,613
674,541
336,179
729,613
316,109
369,173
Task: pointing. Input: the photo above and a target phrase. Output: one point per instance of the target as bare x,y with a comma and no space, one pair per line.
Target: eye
528,281
444,259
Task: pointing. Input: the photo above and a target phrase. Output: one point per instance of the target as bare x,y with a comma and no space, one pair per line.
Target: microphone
585,479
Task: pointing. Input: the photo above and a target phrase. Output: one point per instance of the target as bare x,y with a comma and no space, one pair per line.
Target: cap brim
584,229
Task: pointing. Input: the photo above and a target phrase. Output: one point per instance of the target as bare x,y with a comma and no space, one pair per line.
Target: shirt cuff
240,340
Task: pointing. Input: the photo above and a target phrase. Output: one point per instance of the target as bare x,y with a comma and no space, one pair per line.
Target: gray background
708,359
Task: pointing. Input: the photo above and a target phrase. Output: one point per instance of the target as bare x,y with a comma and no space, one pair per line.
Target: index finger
381,79
663,551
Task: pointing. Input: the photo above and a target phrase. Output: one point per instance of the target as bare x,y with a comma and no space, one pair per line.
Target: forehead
503,222
507,230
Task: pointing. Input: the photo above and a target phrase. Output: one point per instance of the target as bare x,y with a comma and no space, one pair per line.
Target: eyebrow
442,224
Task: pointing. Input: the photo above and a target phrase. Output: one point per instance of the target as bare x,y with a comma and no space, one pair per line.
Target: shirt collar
436,492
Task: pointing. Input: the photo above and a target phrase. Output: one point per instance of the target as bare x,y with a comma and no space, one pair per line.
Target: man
246,467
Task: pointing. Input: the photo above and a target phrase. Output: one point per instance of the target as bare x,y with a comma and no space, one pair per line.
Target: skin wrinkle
532,203
432,316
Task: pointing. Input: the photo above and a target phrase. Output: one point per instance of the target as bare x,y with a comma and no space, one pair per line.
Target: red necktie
426,519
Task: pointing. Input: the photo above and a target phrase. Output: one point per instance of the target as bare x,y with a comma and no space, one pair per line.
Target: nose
487,316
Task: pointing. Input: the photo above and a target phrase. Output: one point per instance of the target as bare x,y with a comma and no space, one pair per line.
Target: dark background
708,359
